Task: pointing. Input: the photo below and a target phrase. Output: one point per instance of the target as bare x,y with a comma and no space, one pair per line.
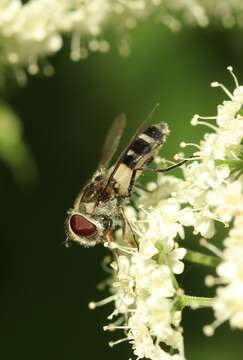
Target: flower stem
196,302
202,259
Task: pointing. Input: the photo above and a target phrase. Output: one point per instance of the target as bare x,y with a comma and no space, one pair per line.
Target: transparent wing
138,131
112,140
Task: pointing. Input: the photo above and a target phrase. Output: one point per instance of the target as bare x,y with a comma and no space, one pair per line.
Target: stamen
234,156
210,329
208,117
217,218
195,122
183,145
158,160
126,247
114,313
114,266
145,211
93,305
127,250
231,71
212,281
112,327
217,84
179,156
106,264
119,321
137,230
152,186
211,248
113,343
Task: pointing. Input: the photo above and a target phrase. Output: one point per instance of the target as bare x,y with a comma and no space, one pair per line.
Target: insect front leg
109,238
67,243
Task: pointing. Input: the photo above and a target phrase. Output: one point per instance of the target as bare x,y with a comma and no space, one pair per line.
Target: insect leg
67,242
123,227
132,181
115,253
165,169
109,238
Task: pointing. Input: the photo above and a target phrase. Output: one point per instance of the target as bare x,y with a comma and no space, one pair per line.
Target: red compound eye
81,226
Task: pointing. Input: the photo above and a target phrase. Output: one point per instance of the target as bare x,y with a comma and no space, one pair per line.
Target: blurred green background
45,288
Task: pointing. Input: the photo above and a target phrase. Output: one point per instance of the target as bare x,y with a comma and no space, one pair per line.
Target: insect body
90,220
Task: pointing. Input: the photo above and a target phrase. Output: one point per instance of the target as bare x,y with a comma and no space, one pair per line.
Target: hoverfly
90,220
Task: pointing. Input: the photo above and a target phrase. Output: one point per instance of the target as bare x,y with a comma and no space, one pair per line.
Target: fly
101,201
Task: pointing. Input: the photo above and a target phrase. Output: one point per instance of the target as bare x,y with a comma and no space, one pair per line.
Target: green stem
231,163
174,280
236,165
202,259
196,302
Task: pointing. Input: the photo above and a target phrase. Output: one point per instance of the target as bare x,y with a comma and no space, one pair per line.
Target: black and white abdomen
140,153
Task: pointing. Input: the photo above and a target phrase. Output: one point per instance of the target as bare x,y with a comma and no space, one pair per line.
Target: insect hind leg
132,181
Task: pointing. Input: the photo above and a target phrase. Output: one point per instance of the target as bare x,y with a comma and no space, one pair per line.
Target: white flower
160,190
141,338
228,304
227,200
144,288
229,298
226,112
124,285
174,257
147,296
163,222
159,283
228,12
31,31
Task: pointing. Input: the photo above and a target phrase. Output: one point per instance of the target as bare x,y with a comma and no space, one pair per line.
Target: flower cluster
229,299
148,299
146,288
29,32
229,12
146,292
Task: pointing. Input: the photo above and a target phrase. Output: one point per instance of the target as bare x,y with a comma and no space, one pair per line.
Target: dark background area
45,287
